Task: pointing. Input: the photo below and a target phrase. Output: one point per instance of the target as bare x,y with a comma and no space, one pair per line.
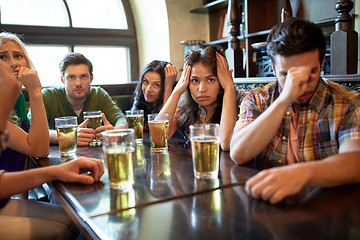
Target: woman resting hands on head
155,86
205,93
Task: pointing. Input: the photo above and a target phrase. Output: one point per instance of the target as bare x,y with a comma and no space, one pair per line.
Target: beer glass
66,128
119,151
205,146
94,122
158,128
135,120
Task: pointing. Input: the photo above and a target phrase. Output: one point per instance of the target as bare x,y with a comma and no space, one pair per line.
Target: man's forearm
336,170
249,141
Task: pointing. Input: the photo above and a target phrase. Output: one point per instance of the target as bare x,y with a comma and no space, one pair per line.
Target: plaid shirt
331,118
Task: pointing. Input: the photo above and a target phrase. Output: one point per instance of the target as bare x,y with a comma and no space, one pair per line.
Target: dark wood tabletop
168,203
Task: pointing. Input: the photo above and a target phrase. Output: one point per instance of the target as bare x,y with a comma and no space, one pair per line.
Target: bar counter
168,203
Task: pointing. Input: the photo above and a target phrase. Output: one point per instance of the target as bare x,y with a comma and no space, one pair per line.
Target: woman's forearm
167,93
228,117
170,108
18,182
38,137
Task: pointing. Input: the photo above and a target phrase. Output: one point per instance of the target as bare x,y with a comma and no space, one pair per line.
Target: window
103,31
111,67
46,60
93,16
34,12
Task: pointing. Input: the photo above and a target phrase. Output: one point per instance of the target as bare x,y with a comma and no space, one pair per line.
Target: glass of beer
135,120
205,145
158,127
66,128
94,122
119,151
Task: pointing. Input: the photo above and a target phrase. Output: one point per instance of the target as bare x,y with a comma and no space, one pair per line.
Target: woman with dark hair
205,93
155,86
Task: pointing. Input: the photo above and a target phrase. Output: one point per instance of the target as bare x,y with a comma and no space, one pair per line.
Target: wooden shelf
259,17
323,23
326,22
210,7
216,42
250,80
256,34
222,41
349,78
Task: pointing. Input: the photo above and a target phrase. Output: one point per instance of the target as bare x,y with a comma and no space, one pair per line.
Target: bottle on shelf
242,23
286,11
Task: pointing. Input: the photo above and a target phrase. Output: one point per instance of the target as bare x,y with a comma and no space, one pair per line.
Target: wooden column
344,41
234,53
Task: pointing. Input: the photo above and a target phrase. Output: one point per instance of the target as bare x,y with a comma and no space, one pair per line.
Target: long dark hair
140,102
188,107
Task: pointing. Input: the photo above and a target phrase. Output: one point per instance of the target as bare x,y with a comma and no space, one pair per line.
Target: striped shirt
331,118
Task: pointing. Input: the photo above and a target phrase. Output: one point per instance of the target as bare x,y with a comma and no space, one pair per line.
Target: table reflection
140,162
123,200
160,175
206,208
123,224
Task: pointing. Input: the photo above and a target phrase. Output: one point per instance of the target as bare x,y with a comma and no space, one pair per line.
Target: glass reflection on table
140,162
206,208
123,220
123,200
160,175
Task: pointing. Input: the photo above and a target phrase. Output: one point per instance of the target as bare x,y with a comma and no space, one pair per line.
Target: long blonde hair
7,36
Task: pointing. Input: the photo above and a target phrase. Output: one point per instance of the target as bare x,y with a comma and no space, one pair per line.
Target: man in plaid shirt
300,118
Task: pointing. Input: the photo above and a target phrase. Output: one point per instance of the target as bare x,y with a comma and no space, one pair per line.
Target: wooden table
168,203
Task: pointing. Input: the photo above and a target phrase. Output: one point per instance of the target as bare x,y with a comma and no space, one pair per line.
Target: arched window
103,31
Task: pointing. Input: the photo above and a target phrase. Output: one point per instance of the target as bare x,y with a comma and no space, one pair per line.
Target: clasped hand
86,135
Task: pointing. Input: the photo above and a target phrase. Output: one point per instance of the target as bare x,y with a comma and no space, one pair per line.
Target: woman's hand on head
223,72
184,80
170,76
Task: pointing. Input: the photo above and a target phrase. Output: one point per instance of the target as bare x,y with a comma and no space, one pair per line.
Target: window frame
83,36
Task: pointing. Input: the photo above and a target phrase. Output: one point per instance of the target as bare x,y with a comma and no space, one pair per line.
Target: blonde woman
35,138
